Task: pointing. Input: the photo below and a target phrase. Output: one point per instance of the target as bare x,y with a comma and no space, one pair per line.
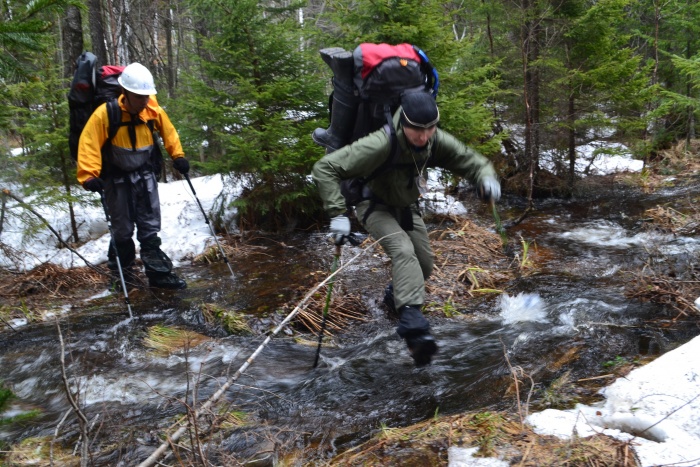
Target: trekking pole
206,219
113,244
336,257
499,227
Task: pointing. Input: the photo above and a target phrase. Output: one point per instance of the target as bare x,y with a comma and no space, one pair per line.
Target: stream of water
571,315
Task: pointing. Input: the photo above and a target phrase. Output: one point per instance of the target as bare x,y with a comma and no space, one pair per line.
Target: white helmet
137,79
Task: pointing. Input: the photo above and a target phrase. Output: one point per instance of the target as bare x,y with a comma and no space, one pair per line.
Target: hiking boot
166,281
389,297
422,349
412,322
416,330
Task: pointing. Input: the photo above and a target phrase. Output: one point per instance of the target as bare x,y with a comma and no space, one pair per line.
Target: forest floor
471,260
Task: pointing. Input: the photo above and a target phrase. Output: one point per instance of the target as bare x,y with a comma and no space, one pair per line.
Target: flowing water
569,315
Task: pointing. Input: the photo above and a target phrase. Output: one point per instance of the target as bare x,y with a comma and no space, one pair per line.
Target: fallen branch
82,419
7,192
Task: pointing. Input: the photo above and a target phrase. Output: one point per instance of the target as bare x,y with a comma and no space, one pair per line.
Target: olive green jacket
396,186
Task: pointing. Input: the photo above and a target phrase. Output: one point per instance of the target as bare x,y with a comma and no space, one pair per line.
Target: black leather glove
94,184
182,165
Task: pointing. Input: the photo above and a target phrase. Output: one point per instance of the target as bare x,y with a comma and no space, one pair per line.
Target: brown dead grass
670,220
681,157
677,294
469,261
232,245
165,340
346,309
678,285
49,279
496,435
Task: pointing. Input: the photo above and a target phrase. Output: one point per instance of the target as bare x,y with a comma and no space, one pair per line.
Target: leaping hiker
115,156
390,165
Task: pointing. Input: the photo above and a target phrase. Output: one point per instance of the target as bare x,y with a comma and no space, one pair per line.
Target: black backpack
90,88
383,73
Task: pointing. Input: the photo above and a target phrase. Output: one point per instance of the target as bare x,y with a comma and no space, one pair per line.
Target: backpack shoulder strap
114,117
393,158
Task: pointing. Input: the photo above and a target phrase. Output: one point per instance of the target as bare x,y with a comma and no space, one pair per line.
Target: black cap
419,109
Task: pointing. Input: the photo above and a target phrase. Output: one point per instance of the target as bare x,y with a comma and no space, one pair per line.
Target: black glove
94,184
182,165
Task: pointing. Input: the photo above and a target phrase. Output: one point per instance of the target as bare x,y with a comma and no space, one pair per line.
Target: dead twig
26,206
82,419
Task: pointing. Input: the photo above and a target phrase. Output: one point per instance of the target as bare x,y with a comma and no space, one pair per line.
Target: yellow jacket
96,132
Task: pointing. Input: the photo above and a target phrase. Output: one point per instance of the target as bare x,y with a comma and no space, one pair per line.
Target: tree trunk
170,65
72,40
530,52
67,185
570,122
690,124
97,31
571,130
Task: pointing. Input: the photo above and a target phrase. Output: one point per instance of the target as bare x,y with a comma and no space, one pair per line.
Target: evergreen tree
34,108
251,110
39,123
673,29
24,27
605,82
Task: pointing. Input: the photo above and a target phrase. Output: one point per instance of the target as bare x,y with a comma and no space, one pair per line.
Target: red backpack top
383,72
91,86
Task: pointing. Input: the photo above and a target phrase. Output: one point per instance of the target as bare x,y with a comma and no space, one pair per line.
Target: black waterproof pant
133,202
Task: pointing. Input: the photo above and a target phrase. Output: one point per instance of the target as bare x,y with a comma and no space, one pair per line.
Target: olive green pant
410,252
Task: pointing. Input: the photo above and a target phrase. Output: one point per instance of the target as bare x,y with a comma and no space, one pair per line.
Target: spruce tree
251,107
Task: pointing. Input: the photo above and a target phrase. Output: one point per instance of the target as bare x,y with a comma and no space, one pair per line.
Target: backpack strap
393,158
114,117
430,72
156,153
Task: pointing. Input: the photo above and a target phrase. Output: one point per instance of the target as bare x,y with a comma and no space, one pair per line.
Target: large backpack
383,73
91,87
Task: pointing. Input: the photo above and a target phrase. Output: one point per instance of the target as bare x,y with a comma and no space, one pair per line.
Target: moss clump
5,396
166,340
232,322
38,451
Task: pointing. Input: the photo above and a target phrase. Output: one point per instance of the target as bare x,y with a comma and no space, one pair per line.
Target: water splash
607,234
522,308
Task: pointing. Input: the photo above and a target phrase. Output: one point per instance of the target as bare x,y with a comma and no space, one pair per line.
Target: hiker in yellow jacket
121,168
